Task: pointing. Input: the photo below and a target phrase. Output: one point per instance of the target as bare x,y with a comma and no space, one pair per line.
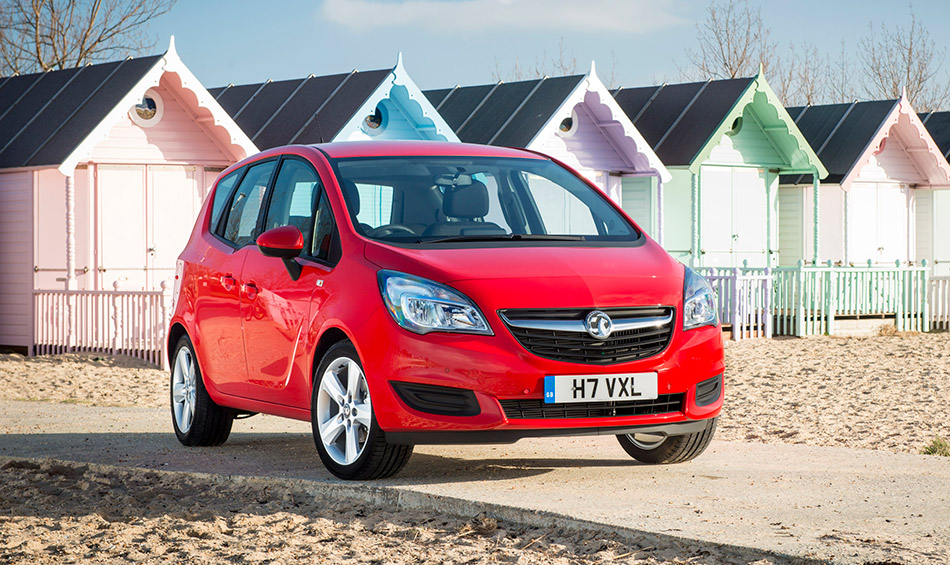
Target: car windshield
472,200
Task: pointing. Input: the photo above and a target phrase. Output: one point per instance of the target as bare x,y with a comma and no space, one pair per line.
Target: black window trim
638,242
267,190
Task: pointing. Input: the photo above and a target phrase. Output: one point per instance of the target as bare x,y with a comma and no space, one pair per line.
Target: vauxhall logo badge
599,324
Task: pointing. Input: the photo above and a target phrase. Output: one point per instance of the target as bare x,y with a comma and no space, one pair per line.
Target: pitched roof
308,110
506,113
839,133
677,120
45,116
938,124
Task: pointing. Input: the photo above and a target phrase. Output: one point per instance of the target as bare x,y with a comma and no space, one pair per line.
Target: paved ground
825,503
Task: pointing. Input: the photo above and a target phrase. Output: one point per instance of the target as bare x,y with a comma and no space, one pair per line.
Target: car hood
545,276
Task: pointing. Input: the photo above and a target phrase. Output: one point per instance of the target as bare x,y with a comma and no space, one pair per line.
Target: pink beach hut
102,171
880,202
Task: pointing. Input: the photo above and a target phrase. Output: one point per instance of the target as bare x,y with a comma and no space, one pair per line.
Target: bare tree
894,58
733,42
565,63
840,78
42,35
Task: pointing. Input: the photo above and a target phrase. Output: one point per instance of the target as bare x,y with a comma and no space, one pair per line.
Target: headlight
424,306
699,303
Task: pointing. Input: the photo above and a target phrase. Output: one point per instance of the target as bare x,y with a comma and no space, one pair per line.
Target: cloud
455,17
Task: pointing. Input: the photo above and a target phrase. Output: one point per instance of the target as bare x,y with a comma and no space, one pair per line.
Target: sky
449,42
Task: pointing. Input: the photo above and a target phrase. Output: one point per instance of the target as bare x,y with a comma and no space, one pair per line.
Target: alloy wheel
344,411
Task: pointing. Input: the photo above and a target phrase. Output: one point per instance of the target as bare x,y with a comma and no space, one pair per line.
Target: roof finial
903,92
171,47
398,66
761,69
593,67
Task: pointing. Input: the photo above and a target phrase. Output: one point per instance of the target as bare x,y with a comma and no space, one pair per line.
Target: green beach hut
725,143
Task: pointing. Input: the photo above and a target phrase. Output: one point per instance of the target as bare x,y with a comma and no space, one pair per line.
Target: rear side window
222,194
241,221
294,198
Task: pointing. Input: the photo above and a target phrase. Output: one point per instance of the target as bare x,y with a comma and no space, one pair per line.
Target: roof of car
346,149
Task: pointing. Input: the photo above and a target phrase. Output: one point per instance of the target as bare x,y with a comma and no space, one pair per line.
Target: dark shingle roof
677,120
45,116
938,124
307,110
839,133
507,113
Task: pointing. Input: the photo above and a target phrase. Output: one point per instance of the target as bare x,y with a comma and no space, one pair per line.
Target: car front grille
560,334
537,409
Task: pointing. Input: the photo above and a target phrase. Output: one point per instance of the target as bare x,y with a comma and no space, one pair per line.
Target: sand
53,512
882,392
885,392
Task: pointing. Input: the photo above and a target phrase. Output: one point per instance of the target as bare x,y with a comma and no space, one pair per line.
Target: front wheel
198,420
349,440
660,449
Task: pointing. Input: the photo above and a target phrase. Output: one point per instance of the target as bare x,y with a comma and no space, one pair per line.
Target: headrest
351,195
468,202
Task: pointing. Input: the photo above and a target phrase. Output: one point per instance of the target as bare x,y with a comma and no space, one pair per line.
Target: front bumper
498,368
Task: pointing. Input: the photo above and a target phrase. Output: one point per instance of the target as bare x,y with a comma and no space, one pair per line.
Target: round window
736,126
568,125
149,110
375,123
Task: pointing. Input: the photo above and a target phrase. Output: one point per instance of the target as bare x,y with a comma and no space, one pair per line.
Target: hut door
878,223
122,245
173,205
941,233
636,196
749,217
715,219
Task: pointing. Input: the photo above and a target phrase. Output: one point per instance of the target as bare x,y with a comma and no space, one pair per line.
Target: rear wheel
349,440
660,449
198,421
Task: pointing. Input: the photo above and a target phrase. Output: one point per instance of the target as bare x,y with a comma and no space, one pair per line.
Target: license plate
599,388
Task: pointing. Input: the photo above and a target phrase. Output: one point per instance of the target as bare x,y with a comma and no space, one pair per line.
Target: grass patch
938,446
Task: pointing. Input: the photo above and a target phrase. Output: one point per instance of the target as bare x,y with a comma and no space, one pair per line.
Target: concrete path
820,503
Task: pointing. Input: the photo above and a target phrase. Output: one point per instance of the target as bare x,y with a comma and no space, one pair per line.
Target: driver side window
294,198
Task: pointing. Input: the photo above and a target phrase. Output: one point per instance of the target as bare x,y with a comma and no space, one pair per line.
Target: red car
402,293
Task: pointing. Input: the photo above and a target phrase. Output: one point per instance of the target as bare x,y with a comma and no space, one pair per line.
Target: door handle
251,290
228,282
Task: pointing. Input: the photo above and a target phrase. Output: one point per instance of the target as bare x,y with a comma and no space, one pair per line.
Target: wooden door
637,200
941,232
173,204
892,225
715,217
122,226
749,217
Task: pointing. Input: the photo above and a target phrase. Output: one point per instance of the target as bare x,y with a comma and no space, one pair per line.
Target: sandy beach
883,393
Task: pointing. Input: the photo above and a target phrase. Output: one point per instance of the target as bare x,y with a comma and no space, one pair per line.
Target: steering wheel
390,229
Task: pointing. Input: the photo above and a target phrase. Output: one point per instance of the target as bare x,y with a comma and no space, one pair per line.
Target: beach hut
725,143
886,174
360,105
938,124
102,171
573,119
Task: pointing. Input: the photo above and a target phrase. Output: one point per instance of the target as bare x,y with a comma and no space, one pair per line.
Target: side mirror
285,243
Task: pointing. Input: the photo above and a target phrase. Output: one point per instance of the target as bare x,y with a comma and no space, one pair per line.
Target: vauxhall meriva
401,293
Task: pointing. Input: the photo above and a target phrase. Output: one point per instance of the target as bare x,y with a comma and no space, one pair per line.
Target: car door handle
251,290
228,282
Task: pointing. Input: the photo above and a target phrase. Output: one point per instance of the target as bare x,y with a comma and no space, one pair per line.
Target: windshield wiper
505,237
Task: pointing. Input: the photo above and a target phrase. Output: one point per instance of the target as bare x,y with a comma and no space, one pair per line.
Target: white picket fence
744,301
806,300
939,302
117,322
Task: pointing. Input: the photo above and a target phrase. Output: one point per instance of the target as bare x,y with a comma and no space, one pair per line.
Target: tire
349,440
197,420
669,449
